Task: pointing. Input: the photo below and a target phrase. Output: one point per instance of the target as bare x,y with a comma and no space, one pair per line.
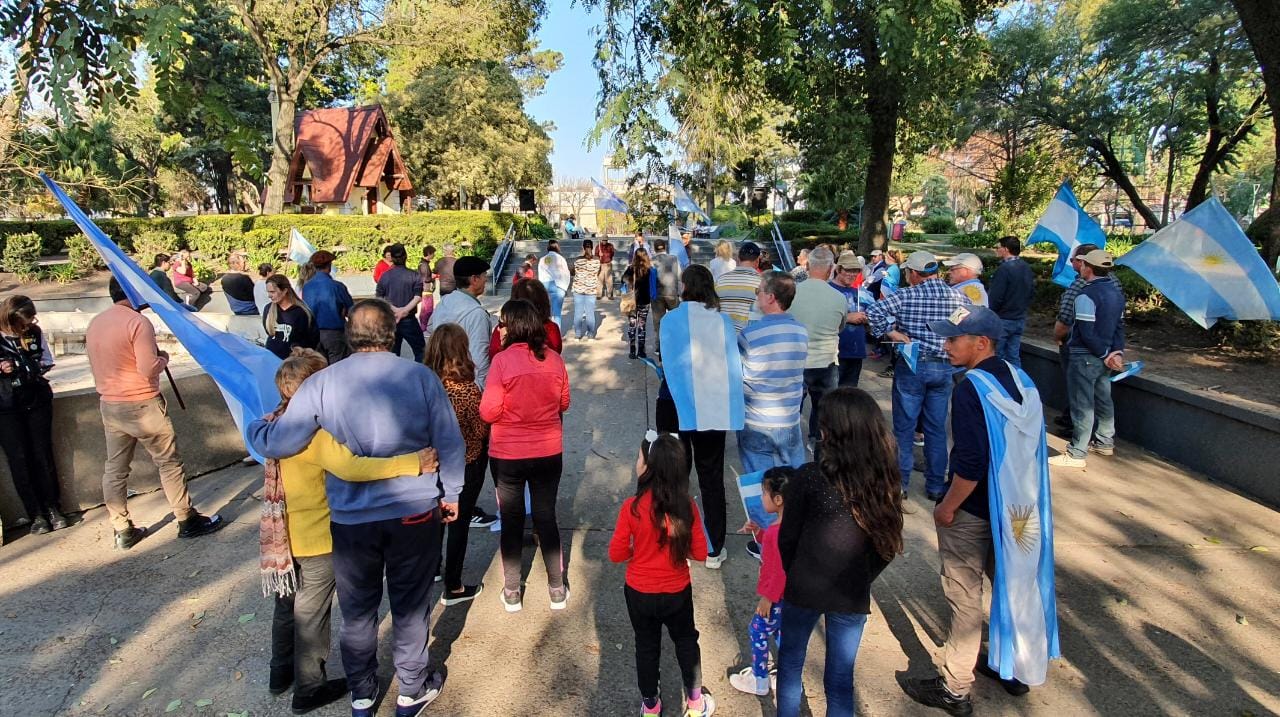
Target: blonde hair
724,250
272,318
295,369
897,255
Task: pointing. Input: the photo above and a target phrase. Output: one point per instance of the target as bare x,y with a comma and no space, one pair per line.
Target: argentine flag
1065,225
1208,267
606,199
1023,629
243,371
751,488
300,250
910,353
677,246
685,203
703,368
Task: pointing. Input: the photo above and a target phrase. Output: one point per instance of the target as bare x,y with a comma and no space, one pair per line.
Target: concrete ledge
1229,439
207,440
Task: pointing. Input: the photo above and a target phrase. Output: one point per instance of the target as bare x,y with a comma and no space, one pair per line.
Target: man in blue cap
994,399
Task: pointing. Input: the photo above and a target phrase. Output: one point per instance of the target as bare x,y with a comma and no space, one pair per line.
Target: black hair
699,286
666,480
398,254
659,244
777,478
1011,243
159,259
116,291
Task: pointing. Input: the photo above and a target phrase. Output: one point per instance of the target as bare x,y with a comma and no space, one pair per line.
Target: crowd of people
353,498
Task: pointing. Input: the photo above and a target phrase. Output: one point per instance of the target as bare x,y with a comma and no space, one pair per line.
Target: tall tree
1260,20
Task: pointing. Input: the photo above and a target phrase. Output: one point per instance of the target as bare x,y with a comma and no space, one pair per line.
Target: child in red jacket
658,532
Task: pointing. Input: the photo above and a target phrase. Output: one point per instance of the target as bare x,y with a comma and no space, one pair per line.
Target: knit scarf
278,575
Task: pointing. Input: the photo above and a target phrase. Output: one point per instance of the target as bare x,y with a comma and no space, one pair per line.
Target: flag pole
173,385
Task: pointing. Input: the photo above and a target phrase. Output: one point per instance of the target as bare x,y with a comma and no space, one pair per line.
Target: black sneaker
631,355
934,693
1013,687
482,519
753,549
40,525
126,539
281,679
1063,421
469,592
57,521
198,525
331,692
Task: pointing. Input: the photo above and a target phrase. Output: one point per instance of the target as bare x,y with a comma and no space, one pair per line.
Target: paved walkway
1166,605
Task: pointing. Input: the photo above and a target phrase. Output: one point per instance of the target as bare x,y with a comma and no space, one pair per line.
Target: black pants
407,551
456,549
706,449
410,332
850,371
818,382
542,475
27,438
649,612
333,344
300,627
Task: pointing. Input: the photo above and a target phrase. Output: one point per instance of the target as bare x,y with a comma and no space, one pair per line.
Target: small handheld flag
606,199
300,250
1207,266
910,352
1065,225
751,488
1133,368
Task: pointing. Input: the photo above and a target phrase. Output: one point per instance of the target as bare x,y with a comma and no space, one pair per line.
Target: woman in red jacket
525,394
532,291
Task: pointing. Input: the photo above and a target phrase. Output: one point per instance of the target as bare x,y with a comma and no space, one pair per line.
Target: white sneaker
715,561
559,597
407,706
745,681
1065,460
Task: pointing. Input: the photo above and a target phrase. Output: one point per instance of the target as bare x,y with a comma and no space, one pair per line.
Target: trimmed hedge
214,236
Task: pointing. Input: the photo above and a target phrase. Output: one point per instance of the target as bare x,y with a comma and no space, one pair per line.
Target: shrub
912,237
975,240
22,255
148,244
84,257
63,273
806,216
939,224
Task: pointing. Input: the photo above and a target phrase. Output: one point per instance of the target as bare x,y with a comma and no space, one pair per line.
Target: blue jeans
923,393
817,383
763,448
844,634
1089,385
584,315
557,302
1009,348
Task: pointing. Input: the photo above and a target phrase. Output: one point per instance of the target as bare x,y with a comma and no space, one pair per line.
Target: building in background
345,161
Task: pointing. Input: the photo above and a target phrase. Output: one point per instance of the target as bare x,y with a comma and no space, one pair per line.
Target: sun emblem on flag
1026,530
1214,260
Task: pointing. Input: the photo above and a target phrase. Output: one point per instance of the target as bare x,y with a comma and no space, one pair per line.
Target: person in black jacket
843,526
26,414
1012,288
636,279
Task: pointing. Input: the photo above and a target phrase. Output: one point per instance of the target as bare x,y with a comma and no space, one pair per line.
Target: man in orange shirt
127,364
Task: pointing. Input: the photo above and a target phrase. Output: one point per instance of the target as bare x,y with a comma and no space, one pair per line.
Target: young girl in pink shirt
754,680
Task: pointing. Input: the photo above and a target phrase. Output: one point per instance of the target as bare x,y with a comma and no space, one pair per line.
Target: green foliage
806,216
1257,336
22,255
940,223
83,256
976,240
63,273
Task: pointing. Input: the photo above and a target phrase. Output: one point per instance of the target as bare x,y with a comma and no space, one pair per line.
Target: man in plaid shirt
903,317
1062,324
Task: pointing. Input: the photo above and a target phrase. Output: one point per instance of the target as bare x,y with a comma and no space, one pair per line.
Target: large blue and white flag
677,246
1023,629
243,371
685,203
751,488
703,368
1207,266
1065,225
300,250
606,199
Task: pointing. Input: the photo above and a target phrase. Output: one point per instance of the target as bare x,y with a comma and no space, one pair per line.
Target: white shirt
720,267
553,268
260,297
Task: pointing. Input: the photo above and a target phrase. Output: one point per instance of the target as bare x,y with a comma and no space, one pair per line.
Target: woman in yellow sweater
297,564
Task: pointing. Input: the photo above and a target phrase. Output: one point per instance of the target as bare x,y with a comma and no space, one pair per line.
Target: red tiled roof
344,147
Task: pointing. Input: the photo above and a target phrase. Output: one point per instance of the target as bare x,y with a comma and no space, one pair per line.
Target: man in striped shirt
737,288
774,348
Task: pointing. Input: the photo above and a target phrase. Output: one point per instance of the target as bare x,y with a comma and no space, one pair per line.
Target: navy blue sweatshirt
1012,288
1099,324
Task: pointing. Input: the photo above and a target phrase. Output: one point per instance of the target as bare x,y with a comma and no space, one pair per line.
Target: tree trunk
222,171
1261,22
1168,184
708,185
1113,170
882,108
284,108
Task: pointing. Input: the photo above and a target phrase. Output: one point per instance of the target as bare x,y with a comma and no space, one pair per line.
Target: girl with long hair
449,355
525,397
532,291
754,679
843,526
288,320
658,531
26,414
638,280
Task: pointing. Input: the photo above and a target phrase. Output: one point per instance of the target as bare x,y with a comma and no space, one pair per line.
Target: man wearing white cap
963,275
904,317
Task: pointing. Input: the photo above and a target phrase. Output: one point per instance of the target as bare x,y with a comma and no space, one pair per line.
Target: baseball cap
969,321
322,258
748,250
469,266
967,260
849,260
876,252
923,262
1100,258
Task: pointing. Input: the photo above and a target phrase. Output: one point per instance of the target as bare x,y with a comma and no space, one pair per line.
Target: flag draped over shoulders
1023,629
703,369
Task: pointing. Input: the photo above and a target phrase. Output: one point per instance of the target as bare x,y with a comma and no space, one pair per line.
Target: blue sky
571,94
